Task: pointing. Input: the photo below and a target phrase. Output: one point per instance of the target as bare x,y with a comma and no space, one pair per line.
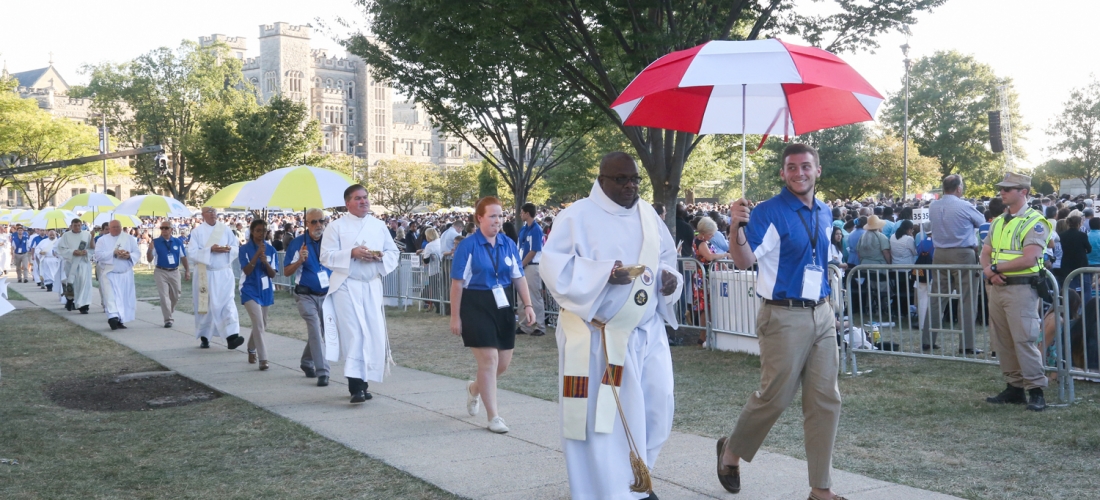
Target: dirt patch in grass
108,393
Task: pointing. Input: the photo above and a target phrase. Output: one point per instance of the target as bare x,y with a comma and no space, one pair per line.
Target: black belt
167,268
533,264
1020,280
795,303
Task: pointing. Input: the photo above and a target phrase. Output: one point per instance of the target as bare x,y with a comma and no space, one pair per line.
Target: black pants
356,384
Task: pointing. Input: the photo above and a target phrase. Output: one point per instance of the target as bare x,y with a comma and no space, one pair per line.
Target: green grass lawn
918,422
14,295
225,448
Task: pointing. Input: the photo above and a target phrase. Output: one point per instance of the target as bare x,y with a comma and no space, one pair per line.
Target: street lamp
905,134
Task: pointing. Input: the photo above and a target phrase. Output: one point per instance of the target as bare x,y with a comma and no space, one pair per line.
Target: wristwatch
993,267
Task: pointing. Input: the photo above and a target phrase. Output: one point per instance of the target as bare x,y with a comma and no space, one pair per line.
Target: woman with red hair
485,275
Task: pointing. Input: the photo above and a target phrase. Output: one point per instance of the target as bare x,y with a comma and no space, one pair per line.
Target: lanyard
167,247
809,230
494,259
314,252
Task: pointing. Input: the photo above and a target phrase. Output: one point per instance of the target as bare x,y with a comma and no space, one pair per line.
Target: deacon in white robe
36,238
591,239
212,249
359,250
47,260
118,252
5,250
77,265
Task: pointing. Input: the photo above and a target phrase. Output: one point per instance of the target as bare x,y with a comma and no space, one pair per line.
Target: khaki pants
797,348
168,288
258,315
21,262
1014,330
943,281
534,285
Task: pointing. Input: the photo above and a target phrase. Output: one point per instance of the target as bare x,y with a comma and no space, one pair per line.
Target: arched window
317,81
269,82
328,83
340,84
351,90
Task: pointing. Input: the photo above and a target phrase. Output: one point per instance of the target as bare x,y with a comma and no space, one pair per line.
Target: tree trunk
662,154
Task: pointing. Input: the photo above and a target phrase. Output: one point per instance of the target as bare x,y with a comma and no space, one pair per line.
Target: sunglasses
622,180
1009,188
165,228
317,221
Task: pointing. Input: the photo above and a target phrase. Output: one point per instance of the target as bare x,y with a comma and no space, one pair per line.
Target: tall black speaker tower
995,132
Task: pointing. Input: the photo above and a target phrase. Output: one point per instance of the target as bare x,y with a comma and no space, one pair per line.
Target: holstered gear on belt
1007,240
616,331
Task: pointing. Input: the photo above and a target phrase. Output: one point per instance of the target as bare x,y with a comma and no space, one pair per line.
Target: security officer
1012,258
168,252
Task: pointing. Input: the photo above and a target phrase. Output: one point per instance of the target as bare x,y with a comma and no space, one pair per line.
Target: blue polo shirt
19,243
162,249
256,285
308,271
530,240
35,240
482,266
779,234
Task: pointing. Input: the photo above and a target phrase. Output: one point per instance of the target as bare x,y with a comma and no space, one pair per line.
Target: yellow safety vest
1007,239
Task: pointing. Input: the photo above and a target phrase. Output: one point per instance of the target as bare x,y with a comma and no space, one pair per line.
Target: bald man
117,252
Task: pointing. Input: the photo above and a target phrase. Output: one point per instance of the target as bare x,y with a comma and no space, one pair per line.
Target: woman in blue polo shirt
485,272
258,266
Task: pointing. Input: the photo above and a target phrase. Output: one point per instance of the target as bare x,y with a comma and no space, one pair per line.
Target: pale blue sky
1046,51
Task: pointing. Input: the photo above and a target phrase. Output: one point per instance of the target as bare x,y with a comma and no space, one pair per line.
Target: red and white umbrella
747,87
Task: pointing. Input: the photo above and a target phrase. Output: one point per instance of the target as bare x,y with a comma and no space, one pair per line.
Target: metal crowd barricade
398,284
1080,336
691,311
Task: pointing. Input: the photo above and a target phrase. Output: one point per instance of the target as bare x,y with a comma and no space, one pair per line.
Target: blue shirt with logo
483,266
779,234
163,248
312,265
256,285
19,243
530,240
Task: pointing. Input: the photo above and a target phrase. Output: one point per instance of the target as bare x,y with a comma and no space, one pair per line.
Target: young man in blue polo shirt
530,248
303,256
20,241
169,252
788,239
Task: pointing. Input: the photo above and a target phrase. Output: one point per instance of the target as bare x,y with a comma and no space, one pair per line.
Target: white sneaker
497,425
473,403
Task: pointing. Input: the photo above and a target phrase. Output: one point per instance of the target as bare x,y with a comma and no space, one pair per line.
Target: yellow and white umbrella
96,202
226,198
52,219
24,217
95,219
153,204
9,215
295,188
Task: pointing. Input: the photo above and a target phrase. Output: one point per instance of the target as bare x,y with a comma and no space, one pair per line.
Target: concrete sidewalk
418,423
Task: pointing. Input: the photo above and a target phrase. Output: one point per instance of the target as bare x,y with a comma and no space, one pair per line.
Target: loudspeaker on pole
995,132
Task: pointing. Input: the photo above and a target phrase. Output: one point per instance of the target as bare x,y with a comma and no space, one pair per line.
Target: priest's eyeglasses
622,180
317,221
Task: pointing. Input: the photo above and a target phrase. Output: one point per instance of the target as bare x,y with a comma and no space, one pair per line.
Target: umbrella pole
744,155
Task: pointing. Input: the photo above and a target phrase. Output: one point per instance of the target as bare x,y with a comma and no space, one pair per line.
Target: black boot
83,309
69,305
49,288
114,322
205,343
1011,395
1035,400
234,341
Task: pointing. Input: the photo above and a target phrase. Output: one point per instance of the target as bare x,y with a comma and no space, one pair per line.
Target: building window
351,90
340,84
379,130
409,148
317,81
427,149
328,142
328,83
269,82
351,117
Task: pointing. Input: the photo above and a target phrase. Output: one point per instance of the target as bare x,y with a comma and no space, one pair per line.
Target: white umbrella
295,188
153,204
125,220
52,219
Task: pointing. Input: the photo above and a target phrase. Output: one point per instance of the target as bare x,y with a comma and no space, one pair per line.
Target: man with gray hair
117,253
212,248
954,224
303,257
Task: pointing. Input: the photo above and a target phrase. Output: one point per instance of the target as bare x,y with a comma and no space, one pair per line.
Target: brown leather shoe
815,497
728,475
252,358
263,365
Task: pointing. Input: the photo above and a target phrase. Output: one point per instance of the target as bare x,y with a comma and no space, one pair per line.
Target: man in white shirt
212,248
117,253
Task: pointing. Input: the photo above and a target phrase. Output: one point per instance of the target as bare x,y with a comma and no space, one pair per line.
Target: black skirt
485,325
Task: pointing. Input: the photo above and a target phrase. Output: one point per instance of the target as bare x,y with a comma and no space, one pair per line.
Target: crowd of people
611,264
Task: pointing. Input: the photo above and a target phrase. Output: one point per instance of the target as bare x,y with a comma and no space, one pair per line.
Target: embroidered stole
578,339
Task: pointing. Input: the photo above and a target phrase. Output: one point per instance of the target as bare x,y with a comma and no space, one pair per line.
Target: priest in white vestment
5,250
47,260
583,268
212,249
75,249
359,250
117,253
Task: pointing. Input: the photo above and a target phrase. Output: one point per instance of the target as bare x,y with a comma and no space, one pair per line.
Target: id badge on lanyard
498,291
812,274
322,279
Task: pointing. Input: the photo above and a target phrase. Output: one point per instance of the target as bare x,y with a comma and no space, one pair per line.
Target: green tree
486,181
400,185
456,186
598,46
163,97
949,98
573,179
13,111
251,141
885,157
1077,130
39,138
1047,177
476,84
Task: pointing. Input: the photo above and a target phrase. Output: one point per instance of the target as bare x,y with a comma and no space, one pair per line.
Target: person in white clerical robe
5,250
36,238
117,252
75,250
587,263
47,260
212,249
359,250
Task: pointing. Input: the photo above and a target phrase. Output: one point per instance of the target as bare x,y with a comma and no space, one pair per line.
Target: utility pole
905,134
104,146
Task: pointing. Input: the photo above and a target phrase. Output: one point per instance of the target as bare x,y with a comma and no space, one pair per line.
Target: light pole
905,134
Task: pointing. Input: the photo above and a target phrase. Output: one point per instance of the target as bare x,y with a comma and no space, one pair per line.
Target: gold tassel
642,482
